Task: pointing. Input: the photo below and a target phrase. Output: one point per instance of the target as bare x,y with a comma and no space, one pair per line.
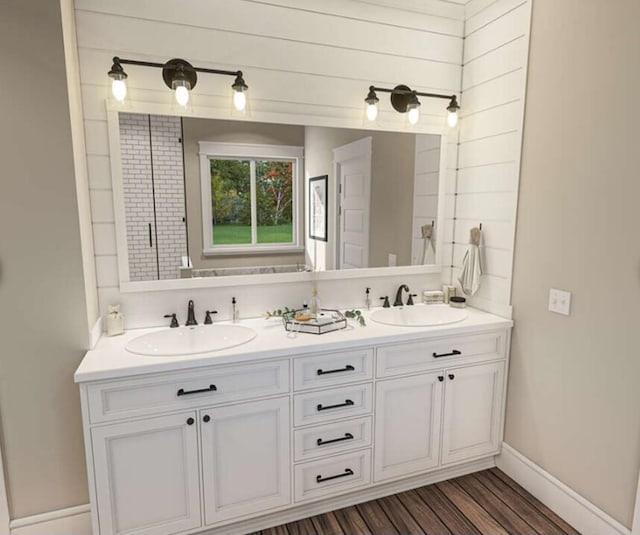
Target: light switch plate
393,260
559,301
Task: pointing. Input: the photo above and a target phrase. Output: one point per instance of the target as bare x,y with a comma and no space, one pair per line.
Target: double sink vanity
231,428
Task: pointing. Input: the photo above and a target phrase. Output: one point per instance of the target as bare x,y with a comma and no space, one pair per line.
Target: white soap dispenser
115,321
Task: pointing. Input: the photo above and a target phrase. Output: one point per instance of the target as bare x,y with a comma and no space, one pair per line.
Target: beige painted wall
574,400
43,320
392,176
196,130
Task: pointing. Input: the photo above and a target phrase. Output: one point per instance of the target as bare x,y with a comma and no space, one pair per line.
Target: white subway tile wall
153,185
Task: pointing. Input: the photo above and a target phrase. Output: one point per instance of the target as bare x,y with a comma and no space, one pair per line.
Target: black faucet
174,320
398,302
191,316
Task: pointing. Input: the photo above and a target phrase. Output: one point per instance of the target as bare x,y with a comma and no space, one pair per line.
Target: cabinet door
245,458
407,425
146,475
472,411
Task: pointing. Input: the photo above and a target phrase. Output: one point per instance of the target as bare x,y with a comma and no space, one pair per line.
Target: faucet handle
174,320
208,320
386,302
410,300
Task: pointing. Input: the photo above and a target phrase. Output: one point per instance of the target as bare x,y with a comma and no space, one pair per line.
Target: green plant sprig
356,315
278,313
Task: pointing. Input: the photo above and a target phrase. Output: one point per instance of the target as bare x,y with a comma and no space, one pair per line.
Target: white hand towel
471,266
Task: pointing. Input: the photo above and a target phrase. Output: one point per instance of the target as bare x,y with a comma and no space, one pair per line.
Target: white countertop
110,360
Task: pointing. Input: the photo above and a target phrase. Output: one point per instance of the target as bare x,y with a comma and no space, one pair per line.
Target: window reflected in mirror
207,197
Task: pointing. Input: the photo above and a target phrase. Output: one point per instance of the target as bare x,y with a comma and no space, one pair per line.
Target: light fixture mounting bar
162,65
398,91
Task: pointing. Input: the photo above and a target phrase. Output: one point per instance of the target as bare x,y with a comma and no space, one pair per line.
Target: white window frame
209,150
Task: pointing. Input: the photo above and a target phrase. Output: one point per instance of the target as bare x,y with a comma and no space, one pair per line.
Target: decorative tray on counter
326,321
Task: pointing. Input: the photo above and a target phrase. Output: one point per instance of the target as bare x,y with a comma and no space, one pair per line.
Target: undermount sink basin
190,340
419,315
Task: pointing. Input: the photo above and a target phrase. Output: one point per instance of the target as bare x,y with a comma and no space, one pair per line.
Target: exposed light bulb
182,95
452,119
372,111
414,115
119,90
239,100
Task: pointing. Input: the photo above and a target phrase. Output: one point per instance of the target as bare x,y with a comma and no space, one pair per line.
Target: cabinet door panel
245,459
472,411
147,476
407,430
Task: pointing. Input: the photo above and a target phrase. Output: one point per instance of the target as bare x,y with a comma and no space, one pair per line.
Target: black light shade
238,84
372,98
179,70
117,72
453,106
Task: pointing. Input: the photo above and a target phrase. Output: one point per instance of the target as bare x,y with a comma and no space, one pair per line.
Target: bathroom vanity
286,426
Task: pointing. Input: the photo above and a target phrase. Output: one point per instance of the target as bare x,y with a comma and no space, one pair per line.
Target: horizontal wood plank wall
308,59
493,91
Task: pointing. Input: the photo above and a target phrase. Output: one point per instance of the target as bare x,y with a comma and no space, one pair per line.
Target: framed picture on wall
318,208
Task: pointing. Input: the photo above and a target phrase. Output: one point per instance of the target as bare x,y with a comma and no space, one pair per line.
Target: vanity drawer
329,439
333,369
128,398
332,476
314,407
415,357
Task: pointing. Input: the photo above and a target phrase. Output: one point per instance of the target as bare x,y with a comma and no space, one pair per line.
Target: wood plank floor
484,503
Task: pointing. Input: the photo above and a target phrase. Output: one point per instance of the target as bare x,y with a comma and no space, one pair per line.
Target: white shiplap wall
493,92
310,60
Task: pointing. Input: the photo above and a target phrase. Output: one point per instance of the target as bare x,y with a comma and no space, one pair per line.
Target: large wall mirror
205,200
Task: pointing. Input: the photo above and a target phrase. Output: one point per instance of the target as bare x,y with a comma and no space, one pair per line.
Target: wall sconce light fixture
405,100
179,75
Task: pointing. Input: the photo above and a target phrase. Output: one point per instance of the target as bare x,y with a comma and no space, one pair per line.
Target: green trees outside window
251,201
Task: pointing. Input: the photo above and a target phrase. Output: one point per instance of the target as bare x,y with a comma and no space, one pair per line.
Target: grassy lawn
241,234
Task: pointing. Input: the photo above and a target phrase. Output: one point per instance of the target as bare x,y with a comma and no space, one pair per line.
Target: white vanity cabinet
147,476
473,407
407,422
227,448
165,470
449,410
245,458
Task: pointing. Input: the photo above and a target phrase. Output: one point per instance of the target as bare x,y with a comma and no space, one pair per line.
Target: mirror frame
127,285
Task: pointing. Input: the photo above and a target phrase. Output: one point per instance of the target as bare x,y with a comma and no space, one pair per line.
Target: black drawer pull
454,352
452,377
347,472
347,436
440,378
183,392
347,403
347,368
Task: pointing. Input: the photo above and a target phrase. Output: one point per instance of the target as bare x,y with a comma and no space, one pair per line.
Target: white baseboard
71,521
579,512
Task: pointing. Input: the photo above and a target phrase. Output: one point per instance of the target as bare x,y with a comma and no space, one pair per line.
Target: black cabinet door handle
451,376
347,403
190,421
347,436
347,368
454,352
347,472
206,418
150,238
440,378
183,392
